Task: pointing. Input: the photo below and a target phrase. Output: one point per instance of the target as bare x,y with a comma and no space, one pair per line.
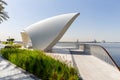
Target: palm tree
3,14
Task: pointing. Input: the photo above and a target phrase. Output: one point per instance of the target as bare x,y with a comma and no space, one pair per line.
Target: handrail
110,57
100,52
107,54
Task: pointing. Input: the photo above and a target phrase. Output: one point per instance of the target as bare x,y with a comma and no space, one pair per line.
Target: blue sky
99,19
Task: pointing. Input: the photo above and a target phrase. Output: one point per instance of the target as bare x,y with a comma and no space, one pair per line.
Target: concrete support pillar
87,49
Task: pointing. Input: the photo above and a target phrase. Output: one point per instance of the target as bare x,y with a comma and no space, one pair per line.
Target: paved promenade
89,67
62,55
9,71
92,68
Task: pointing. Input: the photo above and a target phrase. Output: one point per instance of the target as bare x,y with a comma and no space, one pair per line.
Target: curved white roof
44,34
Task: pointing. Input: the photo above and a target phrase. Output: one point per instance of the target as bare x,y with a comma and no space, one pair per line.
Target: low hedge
39,64
13,46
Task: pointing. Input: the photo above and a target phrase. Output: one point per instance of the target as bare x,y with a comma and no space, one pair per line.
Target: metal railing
103,54
95,50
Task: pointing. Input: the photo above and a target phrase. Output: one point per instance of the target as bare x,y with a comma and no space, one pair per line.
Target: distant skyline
99,19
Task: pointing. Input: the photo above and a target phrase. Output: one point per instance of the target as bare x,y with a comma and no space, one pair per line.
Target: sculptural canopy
44,34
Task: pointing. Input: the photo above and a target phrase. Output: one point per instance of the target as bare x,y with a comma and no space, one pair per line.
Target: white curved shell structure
44,34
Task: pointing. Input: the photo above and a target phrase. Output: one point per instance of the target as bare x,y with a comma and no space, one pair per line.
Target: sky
98,19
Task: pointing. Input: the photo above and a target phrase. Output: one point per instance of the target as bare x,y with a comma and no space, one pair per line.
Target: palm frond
3,14
1,20
3,2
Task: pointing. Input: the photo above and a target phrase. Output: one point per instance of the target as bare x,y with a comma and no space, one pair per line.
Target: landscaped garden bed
39,64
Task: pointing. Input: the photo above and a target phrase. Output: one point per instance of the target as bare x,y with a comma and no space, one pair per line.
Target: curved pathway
92,68
89,66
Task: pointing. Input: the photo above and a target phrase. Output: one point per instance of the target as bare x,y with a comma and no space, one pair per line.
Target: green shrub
9,46
39,64
5,42
13,46
17,45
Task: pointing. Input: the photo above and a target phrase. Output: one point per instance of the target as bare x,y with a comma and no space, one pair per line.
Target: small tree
10,40
95,41
103,41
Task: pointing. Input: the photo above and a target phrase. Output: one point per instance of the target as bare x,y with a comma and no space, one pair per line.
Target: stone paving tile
92,68
89,67
9,71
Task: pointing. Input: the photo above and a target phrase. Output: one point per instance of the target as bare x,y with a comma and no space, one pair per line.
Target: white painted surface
46,33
